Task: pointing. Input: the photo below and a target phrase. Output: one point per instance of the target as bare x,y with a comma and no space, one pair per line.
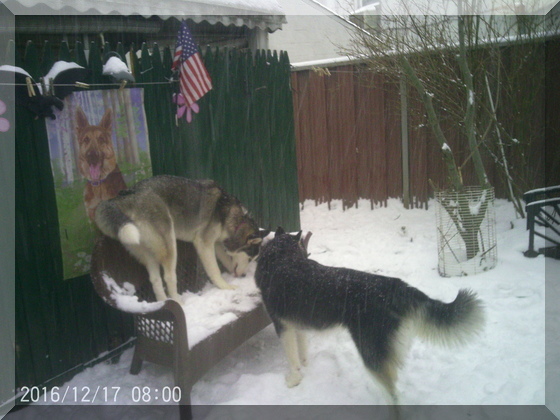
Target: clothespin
30,88
81,85
51,86
123,84
43,86
320,71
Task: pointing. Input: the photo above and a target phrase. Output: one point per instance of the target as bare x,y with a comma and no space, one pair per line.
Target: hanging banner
98,145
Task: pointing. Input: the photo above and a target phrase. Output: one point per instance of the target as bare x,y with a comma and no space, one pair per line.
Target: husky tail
451,323
113,222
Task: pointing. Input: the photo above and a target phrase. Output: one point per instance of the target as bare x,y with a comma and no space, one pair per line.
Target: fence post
404,143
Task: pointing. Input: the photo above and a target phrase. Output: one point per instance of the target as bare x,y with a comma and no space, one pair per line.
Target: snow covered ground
503,366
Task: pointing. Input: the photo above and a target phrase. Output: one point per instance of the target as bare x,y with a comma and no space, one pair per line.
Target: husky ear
279,231
254,241
298,236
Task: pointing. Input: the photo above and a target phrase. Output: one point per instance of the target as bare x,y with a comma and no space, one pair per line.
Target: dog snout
94,157
237,273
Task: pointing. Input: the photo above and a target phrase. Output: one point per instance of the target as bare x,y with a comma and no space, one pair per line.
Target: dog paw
293,378
227,286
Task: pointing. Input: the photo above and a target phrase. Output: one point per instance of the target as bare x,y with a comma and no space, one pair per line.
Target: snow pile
118,69
126,300
505,365
59,67
14,69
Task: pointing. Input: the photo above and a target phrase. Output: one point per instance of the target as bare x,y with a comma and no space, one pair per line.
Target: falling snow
503,366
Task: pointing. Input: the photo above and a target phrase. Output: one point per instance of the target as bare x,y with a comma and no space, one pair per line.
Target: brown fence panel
371,144
392,115
348,127
364,136
342,134
311,131
317,108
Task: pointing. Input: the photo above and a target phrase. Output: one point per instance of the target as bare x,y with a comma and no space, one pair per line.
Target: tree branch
434,123
470,109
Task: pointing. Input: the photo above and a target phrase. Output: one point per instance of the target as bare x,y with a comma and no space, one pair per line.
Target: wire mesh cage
466,223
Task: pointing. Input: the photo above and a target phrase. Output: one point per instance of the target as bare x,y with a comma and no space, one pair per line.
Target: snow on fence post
466,231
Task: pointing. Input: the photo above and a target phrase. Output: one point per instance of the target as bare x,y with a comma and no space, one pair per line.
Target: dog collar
96,183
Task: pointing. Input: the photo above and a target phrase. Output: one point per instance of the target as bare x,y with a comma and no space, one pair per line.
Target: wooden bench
161,327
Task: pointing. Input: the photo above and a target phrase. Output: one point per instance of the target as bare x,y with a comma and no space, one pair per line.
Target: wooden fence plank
33,258
365,122
319,158
346,117
300,82
285,138
370,138
393,140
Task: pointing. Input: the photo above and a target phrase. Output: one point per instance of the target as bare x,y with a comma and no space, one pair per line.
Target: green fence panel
64,53
242,137
80,55
59,324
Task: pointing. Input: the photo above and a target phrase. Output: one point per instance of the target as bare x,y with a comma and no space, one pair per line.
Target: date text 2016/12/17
99,395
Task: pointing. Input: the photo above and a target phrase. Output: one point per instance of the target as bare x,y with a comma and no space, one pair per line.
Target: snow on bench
205,311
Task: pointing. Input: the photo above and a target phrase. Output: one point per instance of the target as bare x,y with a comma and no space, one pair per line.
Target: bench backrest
111,260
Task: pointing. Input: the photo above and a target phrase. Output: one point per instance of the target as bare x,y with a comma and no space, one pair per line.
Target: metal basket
466,223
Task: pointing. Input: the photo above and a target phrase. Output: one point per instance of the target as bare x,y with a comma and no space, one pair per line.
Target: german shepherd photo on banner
98,146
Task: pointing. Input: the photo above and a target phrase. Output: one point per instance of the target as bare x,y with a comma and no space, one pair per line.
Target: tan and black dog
97,161
149,218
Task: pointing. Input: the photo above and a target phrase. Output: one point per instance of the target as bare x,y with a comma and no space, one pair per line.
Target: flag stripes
194,79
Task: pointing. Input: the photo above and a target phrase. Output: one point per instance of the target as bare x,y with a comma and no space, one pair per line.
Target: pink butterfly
183,108
4,123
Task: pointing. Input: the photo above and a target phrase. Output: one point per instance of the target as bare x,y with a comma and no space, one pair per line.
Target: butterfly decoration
183,108
4,123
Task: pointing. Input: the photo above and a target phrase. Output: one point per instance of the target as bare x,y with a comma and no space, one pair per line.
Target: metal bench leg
531,253
136,364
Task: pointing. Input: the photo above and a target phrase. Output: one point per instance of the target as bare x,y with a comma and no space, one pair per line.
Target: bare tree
456,65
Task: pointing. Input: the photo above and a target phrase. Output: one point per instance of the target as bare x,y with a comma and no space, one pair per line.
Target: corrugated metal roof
265,14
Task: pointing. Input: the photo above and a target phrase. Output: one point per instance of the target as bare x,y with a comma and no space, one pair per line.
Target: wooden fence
243,138
350,142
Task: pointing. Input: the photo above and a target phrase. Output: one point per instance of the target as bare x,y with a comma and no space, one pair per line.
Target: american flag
194,79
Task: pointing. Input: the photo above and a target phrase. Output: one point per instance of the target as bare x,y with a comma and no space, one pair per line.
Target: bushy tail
113,222
451,323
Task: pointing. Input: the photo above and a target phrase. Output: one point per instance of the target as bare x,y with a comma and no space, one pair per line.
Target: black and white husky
381,313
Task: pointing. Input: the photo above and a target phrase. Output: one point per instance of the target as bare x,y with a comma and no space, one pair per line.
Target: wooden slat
319,159
393,140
